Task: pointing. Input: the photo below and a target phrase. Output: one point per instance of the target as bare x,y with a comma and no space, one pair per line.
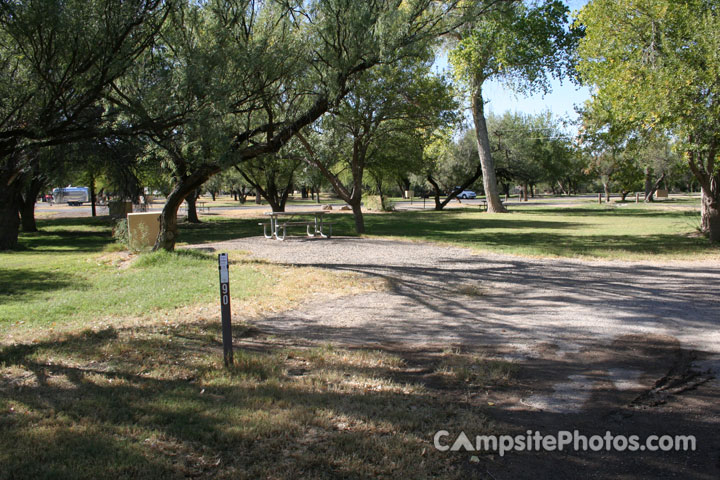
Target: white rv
74,196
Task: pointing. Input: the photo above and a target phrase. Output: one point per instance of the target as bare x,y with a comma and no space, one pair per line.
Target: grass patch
68,277
476,370
625,232
591,232
155,402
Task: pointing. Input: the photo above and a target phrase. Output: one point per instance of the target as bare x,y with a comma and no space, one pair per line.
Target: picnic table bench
314,228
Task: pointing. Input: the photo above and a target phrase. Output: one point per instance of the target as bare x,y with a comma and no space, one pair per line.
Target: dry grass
149,401
476,370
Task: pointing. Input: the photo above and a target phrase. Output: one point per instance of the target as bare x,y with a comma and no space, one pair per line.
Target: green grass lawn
614,231
70,275
63,274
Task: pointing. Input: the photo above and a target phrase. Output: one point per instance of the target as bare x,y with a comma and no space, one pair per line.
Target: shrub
121,234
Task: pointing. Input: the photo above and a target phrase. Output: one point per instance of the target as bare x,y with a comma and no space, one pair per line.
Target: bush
374,202
121,234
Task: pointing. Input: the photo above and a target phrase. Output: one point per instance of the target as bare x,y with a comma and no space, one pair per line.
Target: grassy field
154,402
110,362
629,231
70,274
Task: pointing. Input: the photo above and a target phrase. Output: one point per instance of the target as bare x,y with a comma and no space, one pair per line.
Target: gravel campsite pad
630,347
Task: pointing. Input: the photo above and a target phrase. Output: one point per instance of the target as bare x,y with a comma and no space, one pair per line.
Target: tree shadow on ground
19,282
95,404
68,235
611,212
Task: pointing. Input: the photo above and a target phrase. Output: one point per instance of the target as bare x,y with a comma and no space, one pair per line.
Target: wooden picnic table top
297,212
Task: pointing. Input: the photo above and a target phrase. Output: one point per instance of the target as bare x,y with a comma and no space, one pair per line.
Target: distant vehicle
467,194
73,196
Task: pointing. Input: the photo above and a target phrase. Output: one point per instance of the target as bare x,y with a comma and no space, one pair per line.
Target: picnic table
281,220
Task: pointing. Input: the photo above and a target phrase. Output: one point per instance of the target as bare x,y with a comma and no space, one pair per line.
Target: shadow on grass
117,404
502,233
610,212
20,282
598,246
218,230
157,408
85,234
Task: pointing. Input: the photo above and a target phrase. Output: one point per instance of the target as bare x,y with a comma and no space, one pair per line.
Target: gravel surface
630,347
443,294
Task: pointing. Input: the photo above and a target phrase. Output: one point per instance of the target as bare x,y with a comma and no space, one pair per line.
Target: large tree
450,165
656,64
268,69
522,44
272,176
56,59
379,115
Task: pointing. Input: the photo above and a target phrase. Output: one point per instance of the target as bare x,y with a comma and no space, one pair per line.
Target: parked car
467,194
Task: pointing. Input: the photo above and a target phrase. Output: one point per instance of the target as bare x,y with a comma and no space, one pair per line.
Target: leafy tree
655,63
522,147
56,60
400,152
214,186
607,142
272,176
451,166
312,181
657,160
376,121
519,43
259,72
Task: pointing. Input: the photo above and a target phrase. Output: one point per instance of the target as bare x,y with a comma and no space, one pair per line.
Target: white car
467,194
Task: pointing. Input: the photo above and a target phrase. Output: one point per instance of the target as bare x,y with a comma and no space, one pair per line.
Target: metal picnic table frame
276,224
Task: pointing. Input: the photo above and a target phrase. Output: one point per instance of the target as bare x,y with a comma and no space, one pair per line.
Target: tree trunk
168,220
651,188
191,201
562,188
525,192
93,197
436,192
27,215
710,211
486,160
27,205
213,195
439,205
606,187
258,199
9,208
623,194
649,191
357,213
168,217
